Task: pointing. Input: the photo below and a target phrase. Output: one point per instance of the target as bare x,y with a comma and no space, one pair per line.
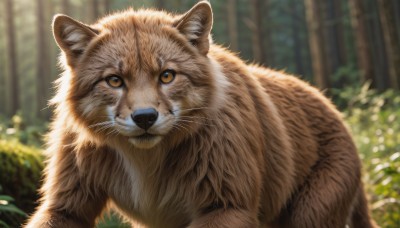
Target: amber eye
167,76
114,81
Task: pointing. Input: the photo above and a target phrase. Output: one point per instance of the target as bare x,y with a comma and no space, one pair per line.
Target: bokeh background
350,49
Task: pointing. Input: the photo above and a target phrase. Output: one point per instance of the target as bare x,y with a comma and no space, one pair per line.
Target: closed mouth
145,141
145,136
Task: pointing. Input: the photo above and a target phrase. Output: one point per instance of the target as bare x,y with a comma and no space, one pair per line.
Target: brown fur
239,145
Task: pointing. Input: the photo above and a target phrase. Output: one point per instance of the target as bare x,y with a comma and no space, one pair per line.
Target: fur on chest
153,200
176,188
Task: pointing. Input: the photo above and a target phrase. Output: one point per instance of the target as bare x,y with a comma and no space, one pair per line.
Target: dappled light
349,49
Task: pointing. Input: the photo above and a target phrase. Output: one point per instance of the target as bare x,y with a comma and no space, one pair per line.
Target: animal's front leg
51,219
226,218
67,199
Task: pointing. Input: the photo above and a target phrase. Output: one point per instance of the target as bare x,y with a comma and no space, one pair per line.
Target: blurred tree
334,35
377,44
391,37
107,6
65,7
276,33
317,44
244,33
160,4
43,65
298,47
94,10
256,26
364,57
3,68
51,8
232,24
267,31
338,32
14,101
397,15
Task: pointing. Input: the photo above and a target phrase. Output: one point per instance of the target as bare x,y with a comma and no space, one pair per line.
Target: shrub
374,120
16,129
7,209
20,174
111,219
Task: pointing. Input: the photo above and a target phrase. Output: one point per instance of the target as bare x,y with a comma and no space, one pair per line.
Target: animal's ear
196,26
72,36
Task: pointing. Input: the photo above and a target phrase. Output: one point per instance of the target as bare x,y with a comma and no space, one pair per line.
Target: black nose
145,118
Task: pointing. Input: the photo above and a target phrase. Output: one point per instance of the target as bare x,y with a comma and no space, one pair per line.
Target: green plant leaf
3,224
6,198
12,209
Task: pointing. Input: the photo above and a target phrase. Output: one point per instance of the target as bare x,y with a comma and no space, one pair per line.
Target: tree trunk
53,49
269,53
12,57
232,24
327,23
391,38
335,45
397,15
339,33
377,46
160,4
43,59
94,10
65,7
298,55
334,38
107,6
316,40
256,27
3,75
363,45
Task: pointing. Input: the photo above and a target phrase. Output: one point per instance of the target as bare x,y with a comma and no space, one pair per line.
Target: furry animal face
138,76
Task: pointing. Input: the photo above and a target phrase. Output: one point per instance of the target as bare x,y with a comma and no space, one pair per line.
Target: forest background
350,49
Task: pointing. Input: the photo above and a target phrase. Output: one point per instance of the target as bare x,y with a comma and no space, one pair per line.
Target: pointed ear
196,26
72,36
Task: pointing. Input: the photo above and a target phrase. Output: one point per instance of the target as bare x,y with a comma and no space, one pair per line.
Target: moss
20,175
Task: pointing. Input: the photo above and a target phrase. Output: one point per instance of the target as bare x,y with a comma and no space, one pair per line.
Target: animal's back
305,135
323,149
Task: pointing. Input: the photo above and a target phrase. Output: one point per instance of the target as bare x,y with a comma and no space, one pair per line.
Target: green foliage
112,220
15,129
385,178
7,208
345,75
374,120
20,173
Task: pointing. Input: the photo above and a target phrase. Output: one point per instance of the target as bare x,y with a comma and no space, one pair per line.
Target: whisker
177,128
112,132
191,121
191,109
103,128
181,126
186,125
101,124
198,117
